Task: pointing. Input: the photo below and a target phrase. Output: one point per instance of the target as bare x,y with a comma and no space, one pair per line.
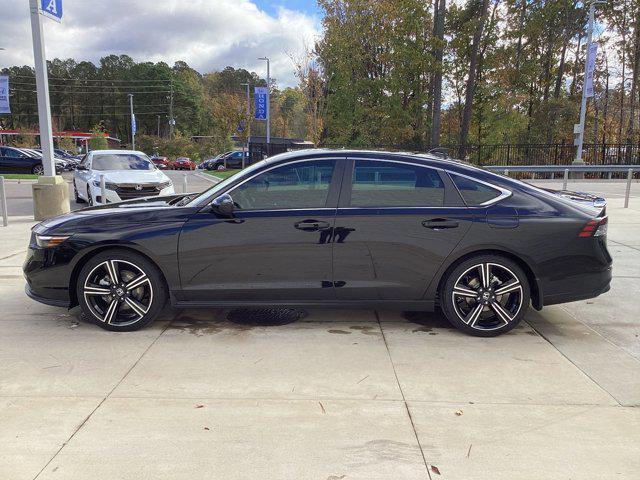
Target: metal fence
550,154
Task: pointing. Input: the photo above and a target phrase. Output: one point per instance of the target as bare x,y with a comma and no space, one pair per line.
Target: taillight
594,228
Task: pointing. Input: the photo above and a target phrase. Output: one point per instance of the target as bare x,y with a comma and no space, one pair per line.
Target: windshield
212,192
121,161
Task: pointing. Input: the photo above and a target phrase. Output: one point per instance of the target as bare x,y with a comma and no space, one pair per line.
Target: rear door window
474,193
392,184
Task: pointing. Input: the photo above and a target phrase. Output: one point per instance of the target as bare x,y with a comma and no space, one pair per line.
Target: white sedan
127,174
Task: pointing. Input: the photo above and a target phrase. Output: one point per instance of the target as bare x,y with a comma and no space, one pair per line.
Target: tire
112,305
89,197
38,169
77,197
220,167
485,309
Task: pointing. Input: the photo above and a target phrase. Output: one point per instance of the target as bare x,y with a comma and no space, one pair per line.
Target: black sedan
19,160
330,228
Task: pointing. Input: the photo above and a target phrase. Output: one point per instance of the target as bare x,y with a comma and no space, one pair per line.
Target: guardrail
565,169
3,202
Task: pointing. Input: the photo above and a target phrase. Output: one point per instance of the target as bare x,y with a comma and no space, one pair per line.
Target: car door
235,160
6,165
396,224
82,176
276,247
15,161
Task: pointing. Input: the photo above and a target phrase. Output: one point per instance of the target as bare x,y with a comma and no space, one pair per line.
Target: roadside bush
97,140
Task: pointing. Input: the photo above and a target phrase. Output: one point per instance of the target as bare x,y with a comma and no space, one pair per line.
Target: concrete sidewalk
337,395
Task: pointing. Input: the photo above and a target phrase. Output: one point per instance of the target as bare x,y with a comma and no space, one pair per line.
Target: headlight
164,185
48,241
107,185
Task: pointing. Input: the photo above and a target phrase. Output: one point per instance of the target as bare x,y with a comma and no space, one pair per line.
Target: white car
127,174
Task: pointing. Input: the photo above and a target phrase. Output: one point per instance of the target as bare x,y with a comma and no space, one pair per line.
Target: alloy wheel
487,296
38,170
118,292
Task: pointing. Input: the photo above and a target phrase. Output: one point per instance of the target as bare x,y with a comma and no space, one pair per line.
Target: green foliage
98,140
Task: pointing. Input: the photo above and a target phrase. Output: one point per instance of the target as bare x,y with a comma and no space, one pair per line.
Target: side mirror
81,167
223,205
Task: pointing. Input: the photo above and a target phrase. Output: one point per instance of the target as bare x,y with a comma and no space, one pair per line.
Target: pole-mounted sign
51,9
260,94
4,94
592,54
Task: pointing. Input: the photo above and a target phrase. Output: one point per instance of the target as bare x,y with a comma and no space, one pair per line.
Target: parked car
184,163
330,228
127,174
18,160
232,160
163,163
67,164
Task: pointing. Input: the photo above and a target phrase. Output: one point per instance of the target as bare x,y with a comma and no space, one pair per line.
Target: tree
480,9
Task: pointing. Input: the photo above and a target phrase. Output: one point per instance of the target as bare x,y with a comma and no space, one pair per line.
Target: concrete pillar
50,197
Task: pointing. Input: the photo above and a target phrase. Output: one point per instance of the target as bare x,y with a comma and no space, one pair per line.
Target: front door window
298,185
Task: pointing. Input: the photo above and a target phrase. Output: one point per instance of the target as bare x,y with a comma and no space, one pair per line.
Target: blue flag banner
4,95
134,126
260,95
52,9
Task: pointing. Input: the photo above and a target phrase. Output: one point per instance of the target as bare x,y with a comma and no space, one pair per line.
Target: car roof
121,152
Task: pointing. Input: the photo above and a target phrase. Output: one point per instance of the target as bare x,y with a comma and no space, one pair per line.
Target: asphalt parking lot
331,395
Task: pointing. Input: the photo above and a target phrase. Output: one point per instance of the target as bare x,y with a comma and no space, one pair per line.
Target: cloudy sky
207,34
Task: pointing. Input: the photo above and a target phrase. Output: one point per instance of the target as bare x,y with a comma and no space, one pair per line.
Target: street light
583,105
268,106
248,126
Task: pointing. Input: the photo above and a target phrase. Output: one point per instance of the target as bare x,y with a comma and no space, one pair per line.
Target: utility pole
42,88
133,123
579,129
172,122
158,126
248,126
268,106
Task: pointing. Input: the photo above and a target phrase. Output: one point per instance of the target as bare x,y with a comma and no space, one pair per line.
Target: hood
134,176
148,209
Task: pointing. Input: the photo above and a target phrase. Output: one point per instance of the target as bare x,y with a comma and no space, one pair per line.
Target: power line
93,80
123,92
104,114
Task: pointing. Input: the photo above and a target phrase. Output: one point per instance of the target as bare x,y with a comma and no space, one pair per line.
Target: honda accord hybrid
330,228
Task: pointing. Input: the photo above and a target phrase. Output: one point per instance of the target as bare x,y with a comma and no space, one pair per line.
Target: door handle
311,225
439,224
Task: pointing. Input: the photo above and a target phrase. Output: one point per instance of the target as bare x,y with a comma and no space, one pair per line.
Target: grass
221,173
18,176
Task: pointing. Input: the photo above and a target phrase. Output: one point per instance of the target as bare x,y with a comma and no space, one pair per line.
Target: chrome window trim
504,193
209,199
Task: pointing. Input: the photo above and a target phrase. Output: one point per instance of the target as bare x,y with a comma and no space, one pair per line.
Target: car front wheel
120,290
485,295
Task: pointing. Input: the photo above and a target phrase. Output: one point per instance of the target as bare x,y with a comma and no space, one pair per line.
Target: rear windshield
121,161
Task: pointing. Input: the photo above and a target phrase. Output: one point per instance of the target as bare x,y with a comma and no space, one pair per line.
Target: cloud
207,34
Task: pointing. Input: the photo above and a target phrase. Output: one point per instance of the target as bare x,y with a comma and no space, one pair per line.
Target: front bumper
111,196
47,272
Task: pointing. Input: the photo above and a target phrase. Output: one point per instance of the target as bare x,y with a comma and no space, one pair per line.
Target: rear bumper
579,287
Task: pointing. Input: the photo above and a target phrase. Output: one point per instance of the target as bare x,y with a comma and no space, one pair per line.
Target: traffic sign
51,9
260,95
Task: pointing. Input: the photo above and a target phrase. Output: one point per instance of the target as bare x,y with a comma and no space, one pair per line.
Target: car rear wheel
220,167
120,290
38,169
486,295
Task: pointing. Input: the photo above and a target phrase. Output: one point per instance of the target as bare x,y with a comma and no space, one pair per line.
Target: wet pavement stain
366,329
339,332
